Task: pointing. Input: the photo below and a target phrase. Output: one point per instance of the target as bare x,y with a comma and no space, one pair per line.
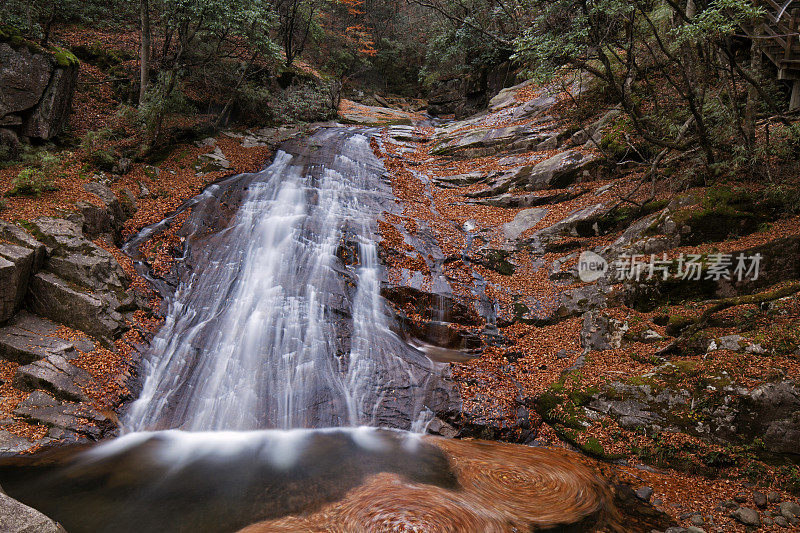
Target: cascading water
276,321
267,331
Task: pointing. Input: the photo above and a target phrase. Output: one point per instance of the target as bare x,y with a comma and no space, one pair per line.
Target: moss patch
65,58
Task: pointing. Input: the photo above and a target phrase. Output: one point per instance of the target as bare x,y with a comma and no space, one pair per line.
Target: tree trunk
144,57
752,94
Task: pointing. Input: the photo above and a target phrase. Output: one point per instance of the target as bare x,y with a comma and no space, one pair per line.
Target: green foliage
674,75
308,101
96,146
720,19
161,99
784,198
31,182
456,49
253,104
34,19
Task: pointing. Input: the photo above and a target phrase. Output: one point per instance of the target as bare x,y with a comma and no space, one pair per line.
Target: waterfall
275,336
267,330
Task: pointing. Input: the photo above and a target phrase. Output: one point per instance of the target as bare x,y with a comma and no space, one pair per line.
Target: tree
295,21
144,55
202,32
36,19
671,67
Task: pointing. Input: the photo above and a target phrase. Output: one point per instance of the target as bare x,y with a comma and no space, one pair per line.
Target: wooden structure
778,38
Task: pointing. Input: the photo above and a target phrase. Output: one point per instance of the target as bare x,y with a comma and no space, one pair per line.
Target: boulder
36,89
593,131
462,179
109,199
54,298
528,200
106,217
482,141
771,412
789,509
28,338
735,343
18,518
215,161
77,259
578,301
581,222
24,77
730,414
507,97
535,106
746,516
638,405
57,376
16,235
558,171
129,203
96,220
602,333
9,144
12,444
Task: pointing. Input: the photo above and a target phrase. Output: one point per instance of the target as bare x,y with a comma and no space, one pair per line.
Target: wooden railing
778,38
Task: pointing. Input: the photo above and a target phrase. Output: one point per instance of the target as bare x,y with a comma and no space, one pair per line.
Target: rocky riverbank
686,386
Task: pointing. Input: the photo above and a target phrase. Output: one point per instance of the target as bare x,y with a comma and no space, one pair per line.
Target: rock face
66,278
20,257
53,297
18,518
464,95
16,265
57,376
36,90
106,218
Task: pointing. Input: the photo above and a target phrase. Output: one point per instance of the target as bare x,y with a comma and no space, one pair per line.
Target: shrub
98,153
308,101
252,104
31,182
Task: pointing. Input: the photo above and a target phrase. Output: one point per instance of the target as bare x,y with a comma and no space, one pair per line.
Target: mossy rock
623,216
497,260
11,35
651,294
100,56
64,58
